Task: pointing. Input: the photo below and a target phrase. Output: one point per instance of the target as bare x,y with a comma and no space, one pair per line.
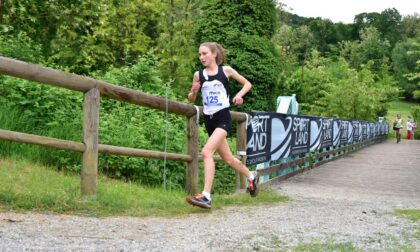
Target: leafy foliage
87,35
335,89
369,48
406,56
129,125
176,48
51,110
387,23
410,26
17,44
245,29
416,118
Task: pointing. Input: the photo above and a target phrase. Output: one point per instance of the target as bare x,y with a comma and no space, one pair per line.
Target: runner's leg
232,161
213,143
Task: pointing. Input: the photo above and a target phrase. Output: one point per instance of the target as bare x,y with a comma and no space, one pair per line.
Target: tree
387,23
76,43
344,31
87,35
355,95
309,83
370,48
415,77
245,29
285,42
363,21
405,56
94,35
389,26
32,17
324,33
295,42
130,28
176,47
410,26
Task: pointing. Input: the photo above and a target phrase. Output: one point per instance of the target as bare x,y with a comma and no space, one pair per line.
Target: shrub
416,118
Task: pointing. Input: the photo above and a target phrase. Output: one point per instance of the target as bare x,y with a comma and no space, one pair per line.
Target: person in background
397,127
409,126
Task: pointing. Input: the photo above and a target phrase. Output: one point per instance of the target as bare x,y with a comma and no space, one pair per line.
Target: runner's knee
206,153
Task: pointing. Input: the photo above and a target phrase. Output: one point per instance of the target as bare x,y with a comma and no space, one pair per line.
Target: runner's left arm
232,73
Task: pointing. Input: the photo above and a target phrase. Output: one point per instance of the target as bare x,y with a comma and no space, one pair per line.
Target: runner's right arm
194,88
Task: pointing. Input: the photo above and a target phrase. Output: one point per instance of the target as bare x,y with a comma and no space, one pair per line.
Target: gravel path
318,212
302,220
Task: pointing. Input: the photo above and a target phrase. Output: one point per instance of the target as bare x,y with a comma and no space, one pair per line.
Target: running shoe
199,200
252,185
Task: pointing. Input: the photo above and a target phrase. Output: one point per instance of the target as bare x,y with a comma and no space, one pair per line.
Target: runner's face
206,56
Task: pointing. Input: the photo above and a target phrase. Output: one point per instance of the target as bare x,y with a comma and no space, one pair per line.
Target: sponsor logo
258,140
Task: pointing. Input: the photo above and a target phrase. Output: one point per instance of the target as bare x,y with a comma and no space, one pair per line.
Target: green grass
315,247
274,243
409,238
15,120
402,107
412,214
26,186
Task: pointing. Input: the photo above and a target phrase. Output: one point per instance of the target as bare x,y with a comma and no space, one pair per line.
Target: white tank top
214,91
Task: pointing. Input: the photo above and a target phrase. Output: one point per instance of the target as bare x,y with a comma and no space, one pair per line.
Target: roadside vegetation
26,186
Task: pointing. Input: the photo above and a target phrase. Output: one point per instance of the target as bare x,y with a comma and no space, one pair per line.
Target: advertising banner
271,136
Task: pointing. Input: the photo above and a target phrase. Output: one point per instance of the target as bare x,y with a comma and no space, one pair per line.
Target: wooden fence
95,89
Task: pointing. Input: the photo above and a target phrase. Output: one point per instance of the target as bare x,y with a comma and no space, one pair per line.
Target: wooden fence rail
83,84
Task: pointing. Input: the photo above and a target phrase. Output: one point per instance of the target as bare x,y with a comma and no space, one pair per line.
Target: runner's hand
238,100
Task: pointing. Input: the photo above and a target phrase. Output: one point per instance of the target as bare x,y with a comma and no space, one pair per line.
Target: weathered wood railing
94,89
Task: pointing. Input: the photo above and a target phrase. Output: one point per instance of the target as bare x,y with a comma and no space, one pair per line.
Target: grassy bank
411,214
27,186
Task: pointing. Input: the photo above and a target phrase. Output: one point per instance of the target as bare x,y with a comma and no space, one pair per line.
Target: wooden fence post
241,147
192,167
90,139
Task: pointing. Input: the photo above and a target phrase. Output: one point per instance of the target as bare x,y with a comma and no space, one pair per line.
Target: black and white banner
300,135
271,136
357,131
268,137
344,133
365,131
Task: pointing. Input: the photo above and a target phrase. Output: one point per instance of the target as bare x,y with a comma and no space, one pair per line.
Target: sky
345,10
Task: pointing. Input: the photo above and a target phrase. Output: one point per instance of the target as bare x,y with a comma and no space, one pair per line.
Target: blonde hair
218,50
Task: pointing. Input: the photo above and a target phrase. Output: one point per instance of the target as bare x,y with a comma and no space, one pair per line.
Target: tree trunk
1,11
